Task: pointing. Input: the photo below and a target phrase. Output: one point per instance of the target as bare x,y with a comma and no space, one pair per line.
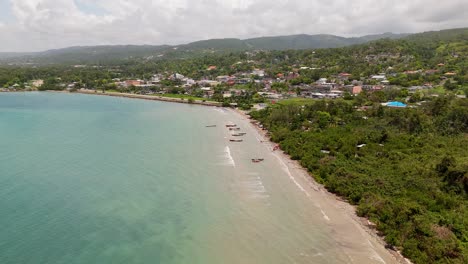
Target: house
128,83
156,78
259,73
344,76
223,78
207,91
177,76
292,75
212,68
271,95
322,81
243,81
357,90
208,82
188,82
450,74
37,83
431,72
395,104
379,77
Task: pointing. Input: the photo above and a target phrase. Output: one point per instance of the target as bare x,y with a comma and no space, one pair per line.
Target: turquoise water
92,179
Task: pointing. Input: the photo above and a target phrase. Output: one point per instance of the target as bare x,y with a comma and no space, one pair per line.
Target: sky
36,25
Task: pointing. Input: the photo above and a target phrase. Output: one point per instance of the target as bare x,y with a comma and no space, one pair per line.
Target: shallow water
91,179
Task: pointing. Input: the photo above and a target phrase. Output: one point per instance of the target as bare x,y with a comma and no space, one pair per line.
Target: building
128,83
379,77
177,76
322,81
357,90
243,81
344,76
259,73
208,83
223,78
37,83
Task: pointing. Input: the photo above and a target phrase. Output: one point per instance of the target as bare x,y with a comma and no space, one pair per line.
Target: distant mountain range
106,54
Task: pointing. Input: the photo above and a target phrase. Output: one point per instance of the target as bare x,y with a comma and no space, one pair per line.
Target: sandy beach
340,215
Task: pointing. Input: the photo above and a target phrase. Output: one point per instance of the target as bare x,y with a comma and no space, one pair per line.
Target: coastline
307,184
331,205
149,97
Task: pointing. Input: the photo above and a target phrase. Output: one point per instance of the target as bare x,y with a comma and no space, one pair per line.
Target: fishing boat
257,160
234,128
236,140
238,134
232,125
211,126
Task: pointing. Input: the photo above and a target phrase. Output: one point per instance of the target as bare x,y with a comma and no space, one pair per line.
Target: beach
355,234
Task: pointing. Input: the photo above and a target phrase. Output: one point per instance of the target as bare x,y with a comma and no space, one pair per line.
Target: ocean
97,179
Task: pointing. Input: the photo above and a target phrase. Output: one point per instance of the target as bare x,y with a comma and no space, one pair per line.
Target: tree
449,85
323,119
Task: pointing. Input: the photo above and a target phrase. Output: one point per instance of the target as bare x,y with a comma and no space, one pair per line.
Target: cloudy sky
33,25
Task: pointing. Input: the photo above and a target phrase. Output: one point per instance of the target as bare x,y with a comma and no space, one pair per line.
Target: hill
110,54
118,54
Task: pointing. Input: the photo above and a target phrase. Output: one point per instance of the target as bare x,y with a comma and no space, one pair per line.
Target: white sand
355,234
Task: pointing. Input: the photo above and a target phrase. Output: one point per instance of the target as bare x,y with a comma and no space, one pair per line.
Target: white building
37,83
260,73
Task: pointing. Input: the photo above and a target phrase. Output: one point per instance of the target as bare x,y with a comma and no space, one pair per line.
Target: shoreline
149,97
310,185
298,174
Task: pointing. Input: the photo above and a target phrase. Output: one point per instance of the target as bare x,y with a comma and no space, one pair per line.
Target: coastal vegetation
404,169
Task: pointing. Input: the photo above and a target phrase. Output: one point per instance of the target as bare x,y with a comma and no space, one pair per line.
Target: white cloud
44,24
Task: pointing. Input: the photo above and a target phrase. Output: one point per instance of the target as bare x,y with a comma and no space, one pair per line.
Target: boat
234,128
211,126
236,140
238,134
233,125
257,160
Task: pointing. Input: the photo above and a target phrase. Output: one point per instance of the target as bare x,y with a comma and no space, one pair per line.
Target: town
244,88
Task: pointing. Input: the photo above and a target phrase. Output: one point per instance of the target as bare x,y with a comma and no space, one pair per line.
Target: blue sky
6,14
90,7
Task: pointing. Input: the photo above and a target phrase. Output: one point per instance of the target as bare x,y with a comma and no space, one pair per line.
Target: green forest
404,169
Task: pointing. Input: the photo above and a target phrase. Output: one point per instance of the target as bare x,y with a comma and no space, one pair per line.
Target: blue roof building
396,104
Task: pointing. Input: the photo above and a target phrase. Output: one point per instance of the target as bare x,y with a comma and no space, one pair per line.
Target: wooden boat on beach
239,134
257,160
211,126
234,128
232,125
236,140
